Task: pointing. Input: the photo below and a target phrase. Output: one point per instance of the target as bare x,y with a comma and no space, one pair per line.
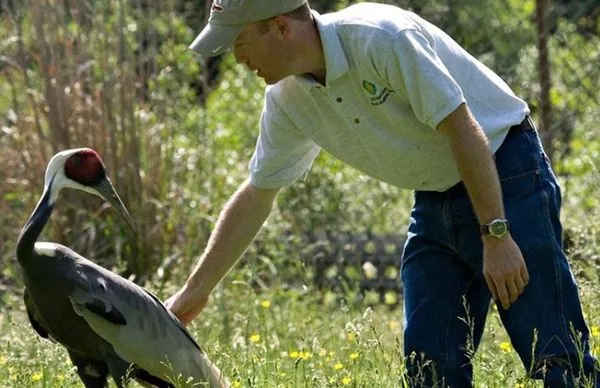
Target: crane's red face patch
85,167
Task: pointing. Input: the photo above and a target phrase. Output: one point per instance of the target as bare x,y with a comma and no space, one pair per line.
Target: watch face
498,228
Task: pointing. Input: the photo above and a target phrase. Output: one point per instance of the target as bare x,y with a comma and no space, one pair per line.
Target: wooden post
545,120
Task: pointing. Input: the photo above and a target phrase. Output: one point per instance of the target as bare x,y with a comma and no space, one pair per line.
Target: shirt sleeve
415,70
283,153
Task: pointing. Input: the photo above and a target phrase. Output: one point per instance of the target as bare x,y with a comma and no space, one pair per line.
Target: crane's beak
107,191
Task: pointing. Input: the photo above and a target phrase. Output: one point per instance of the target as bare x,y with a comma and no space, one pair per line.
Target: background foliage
176,134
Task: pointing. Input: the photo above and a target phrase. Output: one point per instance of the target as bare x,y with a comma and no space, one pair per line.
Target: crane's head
82,169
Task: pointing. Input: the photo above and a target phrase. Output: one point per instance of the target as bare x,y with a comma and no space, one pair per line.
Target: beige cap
228,17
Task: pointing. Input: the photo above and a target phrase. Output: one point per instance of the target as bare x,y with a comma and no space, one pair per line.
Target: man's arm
237,225
503,264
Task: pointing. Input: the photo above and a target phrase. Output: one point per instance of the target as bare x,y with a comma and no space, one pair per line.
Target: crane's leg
143,376
120,370
93,373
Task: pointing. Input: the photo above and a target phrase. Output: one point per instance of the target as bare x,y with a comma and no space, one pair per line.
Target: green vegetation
177,135
284,338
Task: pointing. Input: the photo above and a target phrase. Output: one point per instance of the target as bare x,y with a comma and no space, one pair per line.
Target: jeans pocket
518,162
519,185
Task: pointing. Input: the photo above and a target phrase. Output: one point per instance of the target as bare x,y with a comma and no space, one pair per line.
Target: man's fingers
505,270
186,318
491,286
514,290
520,284
503,294
525,275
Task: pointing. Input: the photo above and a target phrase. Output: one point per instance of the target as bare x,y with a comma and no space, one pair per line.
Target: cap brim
215,39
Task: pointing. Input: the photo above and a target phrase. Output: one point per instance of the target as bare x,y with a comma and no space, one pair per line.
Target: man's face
264,51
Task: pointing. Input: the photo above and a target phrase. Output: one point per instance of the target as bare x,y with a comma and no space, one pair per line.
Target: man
394,96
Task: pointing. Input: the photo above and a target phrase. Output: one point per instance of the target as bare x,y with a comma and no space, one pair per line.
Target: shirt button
339,99
356,120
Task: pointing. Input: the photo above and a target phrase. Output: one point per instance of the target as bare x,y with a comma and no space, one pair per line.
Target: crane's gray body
101,317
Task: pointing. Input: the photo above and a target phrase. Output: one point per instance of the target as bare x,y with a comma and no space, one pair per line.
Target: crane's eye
85,167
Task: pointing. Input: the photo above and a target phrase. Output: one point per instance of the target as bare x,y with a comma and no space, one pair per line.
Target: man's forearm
475,163
237,225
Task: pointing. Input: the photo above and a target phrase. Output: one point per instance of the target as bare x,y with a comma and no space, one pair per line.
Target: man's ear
282,25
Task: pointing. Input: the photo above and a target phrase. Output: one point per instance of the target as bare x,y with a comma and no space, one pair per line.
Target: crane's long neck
34,226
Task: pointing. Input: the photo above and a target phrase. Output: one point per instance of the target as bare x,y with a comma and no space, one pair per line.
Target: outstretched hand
504,269
184,307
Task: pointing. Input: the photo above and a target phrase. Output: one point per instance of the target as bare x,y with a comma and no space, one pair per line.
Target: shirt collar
336,63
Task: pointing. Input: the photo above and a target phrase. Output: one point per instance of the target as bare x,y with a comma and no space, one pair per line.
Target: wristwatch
497,228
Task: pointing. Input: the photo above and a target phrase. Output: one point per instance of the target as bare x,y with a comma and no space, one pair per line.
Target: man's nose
239,57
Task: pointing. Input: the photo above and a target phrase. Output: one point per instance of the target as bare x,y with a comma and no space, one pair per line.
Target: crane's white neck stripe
45,249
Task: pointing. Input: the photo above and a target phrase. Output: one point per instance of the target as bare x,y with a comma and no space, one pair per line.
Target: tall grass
86,73
287,338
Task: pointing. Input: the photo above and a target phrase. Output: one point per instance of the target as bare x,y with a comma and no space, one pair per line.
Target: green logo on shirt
369,87
377,95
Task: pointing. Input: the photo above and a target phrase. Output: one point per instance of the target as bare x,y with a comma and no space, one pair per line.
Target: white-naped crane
108,324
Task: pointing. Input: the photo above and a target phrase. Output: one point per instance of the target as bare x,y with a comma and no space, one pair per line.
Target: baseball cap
228,17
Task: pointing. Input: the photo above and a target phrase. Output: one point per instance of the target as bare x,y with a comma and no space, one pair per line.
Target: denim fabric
446,296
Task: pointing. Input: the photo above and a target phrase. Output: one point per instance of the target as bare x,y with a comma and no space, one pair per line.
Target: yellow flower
338,366
596,331
354,356
3,360
390,298
346,380
350,336
254,338
294,354
519,385
36,376
236,384
506,346
393,324
265,304
305,355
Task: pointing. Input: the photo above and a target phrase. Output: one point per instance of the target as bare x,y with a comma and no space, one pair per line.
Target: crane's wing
138,326
97,306
33,317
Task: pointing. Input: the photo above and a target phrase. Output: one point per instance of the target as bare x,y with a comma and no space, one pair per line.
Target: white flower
370,270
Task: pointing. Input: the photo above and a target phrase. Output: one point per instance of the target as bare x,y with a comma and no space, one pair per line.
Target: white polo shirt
391,78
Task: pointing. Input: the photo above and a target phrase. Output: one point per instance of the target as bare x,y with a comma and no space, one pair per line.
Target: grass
284,338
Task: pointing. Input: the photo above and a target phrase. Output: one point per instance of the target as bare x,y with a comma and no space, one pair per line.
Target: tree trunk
545,119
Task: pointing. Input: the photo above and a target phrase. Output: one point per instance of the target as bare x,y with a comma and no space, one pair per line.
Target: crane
108,324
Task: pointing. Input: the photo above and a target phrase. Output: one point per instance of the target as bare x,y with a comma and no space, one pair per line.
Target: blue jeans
446,296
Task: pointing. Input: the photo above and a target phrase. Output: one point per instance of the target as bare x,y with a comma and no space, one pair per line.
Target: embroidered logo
377,95
369,87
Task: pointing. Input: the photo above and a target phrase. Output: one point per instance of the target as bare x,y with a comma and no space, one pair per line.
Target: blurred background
176,134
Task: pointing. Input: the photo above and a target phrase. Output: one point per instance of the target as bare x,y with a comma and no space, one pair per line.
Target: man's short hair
301,13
